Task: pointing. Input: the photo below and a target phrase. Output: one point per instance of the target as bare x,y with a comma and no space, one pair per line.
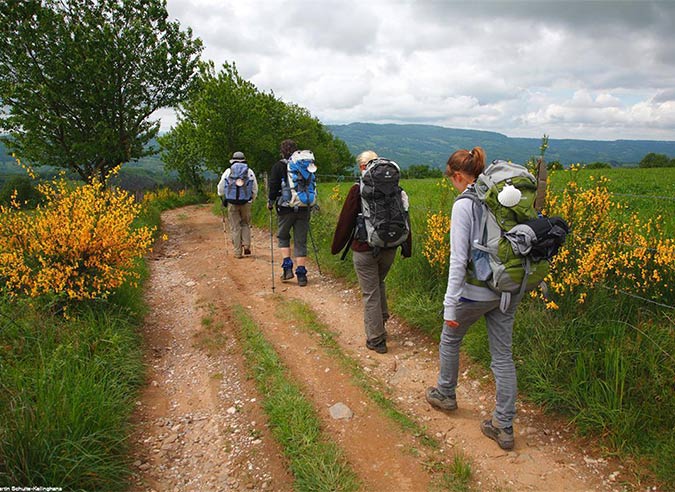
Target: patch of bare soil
200,425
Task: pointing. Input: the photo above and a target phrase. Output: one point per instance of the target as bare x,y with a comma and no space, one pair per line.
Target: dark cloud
520,67
664,96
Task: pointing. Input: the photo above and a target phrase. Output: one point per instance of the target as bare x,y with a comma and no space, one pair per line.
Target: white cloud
568,69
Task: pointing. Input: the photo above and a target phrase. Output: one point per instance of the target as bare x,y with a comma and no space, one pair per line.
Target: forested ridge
431,145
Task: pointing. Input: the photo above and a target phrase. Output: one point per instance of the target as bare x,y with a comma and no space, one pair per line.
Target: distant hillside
146,173
432,145
151,163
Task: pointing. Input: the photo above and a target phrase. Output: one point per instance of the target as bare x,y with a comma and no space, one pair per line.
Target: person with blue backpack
467,299
292,191
237,189
374,222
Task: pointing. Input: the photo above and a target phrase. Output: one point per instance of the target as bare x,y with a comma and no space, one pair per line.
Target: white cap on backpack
304,155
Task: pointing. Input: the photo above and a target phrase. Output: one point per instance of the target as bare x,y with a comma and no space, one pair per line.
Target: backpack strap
505,302
347,246
471,195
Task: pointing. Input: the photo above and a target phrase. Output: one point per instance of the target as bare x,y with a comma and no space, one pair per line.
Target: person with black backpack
292,191
237,189
467,299
374,223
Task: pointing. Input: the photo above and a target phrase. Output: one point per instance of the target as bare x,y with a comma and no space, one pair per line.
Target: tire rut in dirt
199,425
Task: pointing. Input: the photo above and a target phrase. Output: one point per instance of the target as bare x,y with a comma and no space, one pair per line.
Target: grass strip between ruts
317,463
454,476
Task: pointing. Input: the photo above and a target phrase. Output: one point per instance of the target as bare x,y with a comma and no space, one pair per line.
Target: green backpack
506,194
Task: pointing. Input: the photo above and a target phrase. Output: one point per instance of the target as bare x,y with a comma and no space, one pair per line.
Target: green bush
657,160
598,165
22,189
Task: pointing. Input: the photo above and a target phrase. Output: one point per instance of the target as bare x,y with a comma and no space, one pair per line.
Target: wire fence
635,296
627,195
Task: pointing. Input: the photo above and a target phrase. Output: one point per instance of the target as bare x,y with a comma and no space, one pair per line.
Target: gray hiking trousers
500,336
299,222
371,271
240,226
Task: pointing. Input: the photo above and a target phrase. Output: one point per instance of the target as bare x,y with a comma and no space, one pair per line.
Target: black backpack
385,222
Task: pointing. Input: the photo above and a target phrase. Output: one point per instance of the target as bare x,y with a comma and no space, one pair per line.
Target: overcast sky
592,70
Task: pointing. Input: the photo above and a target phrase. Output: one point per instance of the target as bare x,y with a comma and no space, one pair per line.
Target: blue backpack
299,187
238,185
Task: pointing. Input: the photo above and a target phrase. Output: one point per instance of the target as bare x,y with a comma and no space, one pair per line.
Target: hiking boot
247,251
438,400
503,436
301,272
287,265
379,347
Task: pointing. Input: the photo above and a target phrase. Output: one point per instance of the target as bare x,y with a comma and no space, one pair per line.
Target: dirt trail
200,423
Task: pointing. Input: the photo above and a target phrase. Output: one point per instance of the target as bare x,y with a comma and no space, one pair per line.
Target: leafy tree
228,114
183,154
81,79
655,160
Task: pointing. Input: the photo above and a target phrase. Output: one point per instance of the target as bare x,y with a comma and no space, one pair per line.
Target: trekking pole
316,253
272,247
271,233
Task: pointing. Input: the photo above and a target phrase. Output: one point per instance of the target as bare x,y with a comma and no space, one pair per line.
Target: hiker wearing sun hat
237,188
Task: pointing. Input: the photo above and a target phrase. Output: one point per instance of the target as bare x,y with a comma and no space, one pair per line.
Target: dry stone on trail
199,420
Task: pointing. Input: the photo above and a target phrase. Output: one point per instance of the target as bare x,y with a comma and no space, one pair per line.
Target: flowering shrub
437,241
335,194
609,249
79,244
162,194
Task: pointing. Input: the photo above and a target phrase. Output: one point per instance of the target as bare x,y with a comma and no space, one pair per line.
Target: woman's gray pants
299,222
500,335
371,271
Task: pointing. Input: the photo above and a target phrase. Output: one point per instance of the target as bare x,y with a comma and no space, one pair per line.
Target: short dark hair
287,148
